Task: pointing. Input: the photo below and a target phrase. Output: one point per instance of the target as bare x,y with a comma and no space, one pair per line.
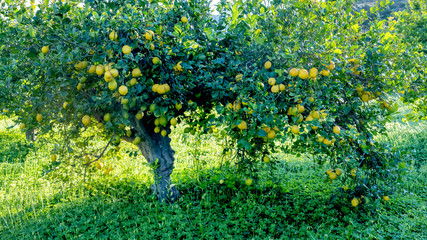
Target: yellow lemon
333,176
267,65
239,77
248,182
173,121
136,72
355,202
242,125
86,120
338,171
331,66
272,81
53,157
139,115
123,90
295,129
275,89
311,99
336,130
64,105
353,172
99,70
152,47
315,114
79,86
39,117
313,72
92,69
133,81
112,85
45,49
113,36
108,76
271,134
149,35
184,19
137,140
156,129
156,61
266,159
293,72
22,125
386,198
126,49
303,74
164,133
282,87
365,98
107,117
325,72
114,72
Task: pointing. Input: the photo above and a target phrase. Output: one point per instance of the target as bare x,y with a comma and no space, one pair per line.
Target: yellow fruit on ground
332,176
126,49
39,117
92,69
164,133
64,105
338,171
345,188
114,72
123,90
386,198
136,72
271,134
353,172
173,121
336,130
139,115
267,65
239,77
295,129
112,85
99,70
156,129
149,35
248,181
242,125
282,87
184,19
313,72
156,61
86,120
113,36
275,89
303,74
45,49
272,81
293,72
53,157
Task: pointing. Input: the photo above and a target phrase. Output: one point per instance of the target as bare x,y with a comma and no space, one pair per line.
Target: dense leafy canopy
300,72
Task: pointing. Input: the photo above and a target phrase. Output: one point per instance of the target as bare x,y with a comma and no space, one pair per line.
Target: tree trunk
30,135
158,152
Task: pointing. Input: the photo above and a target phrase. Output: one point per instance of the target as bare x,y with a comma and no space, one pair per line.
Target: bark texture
30,135
158,152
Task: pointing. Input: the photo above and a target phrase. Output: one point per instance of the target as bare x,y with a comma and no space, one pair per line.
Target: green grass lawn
121,206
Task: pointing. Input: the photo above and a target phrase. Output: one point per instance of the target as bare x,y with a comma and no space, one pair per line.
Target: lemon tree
288,76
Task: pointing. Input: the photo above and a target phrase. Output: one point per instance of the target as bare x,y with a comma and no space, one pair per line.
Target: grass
121,206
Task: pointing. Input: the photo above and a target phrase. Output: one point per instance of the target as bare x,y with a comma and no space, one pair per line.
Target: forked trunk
158,152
